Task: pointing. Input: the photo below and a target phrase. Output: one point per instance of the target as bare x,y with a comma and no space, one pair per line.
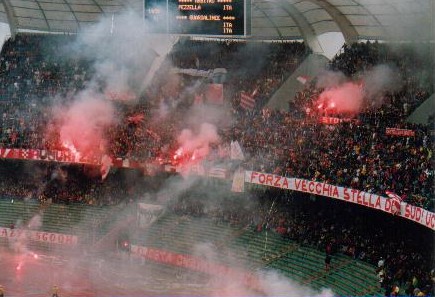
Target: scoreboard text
203,17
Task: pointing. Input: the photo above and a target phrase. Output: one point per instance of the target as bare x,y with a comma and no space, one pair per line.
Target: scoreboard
202,17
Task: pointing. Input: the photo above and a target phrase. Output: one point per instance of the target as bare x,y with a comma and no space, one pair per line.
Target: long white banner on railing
41,236
197,264
407,211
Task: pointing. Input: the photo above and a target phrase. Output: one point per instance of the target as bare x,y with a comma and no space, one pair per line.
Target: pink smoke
83,125
198,144
346,98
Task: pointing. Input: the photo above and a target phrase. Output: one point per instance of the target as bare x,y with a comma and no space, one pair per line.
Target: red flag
215,93
246,101
395,202
399,132
393,195
217,172
137,118
198,100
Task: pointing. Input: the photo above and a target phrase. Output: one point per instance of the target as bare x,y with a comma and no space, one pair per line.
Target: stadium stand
307,138
369,250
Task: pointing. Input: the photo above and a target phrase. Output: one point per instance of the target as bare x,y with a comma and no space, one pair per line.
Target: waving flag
217,172
136,118
215,94
247,101
395,202
302,79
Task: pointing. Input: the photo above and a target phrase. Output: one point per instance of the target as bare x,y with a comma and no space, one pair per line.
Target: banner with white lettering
40,236
48,155
69,157
399,132
335,121
410,212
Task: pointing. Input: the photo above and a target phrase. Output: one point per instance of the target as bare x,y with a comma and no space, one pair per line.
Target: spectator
327,262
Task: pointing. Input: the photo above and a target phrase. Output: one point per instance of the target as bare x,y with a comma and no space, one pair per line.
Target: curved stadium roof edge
270,19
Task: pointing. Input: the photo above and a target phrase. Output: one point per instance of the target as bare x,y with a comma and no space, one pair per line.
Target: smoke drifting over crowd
122,52
83,123
345,98
122,55
380,80
199,143
342,95
268,282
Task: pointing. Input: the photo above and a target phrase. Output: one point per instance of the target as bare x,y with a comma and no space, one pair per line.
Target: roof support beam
99,7
74,14
349,33
43,13
432,44
13,25
307,31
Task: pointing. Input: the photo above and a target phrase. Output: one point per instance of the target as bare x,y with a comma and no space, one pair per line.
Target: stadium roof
272,19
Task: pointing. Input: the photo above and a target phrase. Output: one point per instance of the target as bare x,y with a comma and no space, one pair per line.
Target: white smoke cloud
269,282
122,51
276,285
379,80
35,222
124,54
330,79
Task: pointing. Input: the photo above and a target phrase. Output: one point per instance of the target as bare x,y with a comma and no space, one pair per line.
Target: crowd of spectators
359,156
34,70
42,182
356,154
292,143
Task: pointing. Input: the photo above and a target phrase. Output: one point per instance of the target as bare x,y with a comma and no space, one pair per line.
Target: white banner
410,212
200,73
56,238
238,185
236,151
148,214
